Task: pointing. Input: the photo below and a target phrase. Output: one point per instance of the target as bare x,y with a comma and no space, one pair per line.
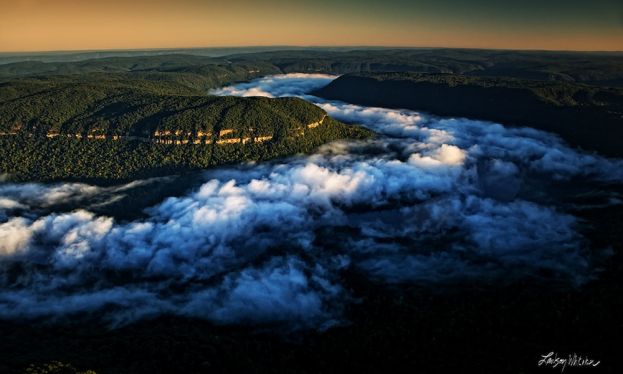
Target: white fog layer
428,201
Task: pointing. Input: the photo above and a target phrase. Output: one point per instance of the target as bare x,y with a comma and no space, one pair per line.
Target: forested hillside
586,116
119,117
200,71
110,106
193,71
105,127
591,68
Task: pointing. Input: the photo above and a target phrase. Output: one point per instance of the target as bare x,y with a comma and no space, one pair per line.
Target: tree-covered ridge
139,108
586,116
597,68
591,68
61,158
79,127
194,71
558,93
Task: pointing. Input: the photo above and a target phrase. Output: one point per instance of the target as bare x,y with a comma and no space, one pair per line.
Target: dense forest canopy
556,92
593,68
113,126
152,114
586,116
113,106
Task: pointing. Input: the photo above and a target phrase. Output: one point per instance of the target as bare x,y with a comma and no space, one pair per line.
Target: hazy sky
40,25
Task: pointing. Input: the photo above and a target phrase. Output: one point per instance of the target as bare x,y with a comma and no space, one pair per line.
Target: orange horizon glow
71,25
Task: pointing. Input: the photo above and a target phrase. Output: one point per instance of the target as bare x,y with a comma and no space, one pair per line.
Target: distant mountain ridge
585,116
599,68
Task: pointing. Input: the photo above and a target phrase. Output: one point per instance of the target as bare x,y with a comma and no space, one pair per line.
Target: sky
49,25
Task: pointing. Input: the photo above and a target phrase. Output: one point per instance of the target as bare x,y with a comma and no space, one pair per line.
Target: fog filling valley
429,201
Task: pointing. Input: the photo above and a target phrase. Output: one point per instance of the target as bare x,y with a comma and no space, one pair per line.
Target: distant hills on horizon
80,55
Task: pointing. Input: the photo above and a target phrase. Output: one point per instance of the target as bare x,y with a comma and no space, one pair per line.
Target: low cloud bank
295,84
431,200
